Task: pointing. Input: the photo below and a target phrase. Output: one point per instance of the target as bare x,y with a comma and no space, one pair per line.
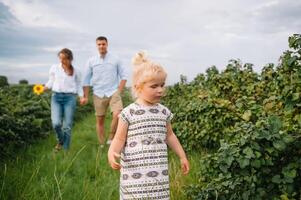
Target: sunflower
38,89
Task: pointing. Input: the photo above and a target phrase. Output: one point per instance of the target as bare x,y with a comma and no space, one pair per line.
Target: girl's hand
184,166
112,160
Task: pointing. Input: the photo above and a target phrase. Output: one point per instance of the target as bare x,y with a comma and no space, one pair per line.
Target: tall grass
81,173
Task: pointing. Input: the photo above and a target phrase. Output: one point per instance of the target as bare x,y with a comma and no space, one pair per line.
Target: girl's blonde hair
144,70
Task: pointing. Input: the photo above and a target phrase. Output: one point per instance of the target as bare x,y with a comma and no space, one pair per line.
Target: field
81,173
241,130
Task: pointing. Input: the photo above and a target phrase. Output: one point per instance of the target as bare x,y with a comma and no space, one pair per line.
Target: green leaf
275,124
296,96
246,195
243,162
223,168
248,152
258,154
256,164
298,118
279,145
247,115
229,160
288,179
284,197
288,139
276,179
290,173
291,60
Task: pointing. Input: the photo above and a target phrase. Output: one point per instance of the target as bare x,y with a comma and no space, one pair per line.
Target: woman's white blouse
59,81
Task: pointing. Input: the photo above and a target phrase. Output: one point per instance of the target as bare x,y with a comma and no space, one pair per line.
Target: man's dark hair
102,38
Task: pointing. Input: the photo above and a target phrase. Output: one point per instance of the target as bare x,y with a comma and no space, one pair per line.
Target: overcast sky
185,36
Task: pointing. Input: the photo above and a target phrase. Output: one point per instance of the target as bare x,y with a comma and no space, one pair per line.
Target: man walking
107,76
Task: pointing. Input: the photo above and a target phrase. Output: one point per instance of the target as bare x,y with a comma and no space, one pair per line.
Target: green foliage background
250,123
25,117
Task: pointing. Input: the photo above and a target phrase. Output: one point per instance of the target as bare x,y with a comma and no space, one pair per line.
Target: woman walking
65,83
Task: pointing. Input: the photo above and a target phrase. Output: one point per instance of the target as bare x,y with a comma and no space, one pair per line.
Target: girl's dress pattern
144,159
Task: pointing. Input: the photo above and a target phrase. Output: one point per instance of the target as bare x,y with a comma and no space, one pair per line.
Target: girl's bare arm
117,144
174,144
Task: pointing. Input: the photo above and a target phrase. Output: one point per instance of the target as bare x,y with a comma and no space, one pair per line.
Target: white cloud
186,36
23,66
36,14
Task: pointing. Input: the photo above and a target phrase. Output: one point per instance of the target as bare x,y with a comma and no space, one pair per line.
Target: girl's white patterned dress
144,158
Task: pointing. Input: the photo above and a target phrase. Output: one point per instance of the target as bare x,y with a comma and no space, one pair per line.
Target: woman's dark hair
102,38
68,53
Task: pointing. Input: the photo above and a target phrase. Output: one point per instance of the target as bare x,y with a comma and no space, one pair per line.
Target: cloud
35,14
27,50
34,72
5,15
185,36
278,16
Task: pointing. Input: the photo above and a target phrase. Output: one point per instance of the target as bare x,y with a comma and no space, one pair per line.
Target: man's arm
122,75
78,80
121,85
86,91
86,84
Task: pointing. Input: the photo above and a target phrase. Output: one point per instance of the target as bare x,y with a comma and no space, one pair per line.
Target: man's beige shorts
101,103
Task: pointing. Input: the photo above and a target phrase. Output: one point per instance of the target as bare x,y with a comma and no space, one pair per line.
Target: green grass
80,173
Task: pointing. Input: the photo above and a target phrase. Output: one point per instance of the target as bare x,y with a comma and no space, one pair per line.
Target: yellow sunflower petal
38,89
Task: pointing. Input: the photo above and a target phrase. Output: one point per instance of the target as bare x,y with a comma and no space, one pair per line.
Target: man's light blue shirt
104,74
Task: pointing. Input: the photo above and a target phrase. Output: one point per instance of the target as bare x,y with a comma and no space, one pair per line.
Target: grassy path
81,173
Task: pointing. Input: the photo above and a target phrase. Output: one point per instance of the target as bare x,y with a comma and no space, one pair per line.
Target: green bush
23,81
25,117
3,81
261,162
251,125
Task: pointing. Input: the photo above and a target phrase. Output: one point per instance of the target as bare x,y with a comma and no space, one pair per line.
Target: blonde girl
144,131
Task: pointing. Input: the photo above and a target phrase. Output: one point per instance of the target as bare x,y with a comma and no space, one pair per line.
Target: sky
184,36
